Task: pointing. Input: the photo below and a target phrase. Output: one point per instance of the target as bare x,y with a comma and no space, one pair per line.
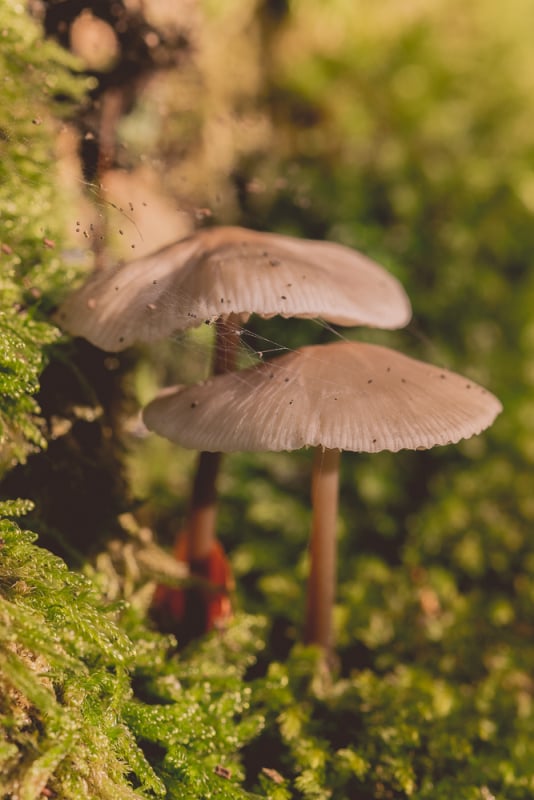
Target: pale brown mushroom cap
346,395
222,271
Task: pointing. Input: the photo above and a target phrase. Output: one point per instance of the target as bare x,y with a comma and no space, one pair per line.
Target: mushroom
340,396
221,272
224,274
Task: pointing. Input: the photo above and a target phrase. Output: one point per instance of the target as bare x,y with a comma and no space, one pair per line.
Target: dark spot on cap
403,380
154,282
283,297
121,338
194,404
286,380
370,380
291,402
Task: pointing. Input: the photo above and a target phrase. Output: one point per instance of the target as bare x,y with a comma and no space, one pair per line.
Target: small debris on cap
222,772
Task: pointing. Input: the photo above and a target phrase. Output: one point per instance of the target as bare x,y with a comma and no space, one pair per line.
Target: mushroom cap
221,271
346,395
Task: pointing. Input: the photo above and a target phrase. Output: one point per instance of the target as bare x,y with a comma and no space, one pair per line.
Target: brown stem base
195,610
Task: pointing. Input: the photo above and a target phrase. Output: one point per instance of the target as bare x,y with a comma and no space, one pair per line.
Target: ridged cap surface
225,270
346,395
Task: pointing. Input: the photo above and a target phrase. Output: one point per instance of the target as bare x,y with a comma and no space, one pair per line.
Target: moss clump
34,74
93,704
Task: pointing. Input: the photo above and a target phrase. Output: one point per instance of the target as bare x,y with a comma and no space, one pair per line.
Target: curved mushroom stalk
197,544
202,518
323,549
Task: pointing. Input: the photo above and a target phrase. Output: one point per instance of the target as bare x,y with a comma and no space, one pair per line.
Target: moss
34,73
94,704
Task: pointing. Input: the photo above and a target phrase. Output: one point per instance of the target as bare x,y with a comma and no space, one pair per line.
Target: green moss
95,705
34,73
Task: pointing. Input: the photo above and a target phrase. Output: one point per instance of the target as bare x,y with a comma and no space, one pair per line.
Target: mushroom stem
323,550
203,510
227,338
